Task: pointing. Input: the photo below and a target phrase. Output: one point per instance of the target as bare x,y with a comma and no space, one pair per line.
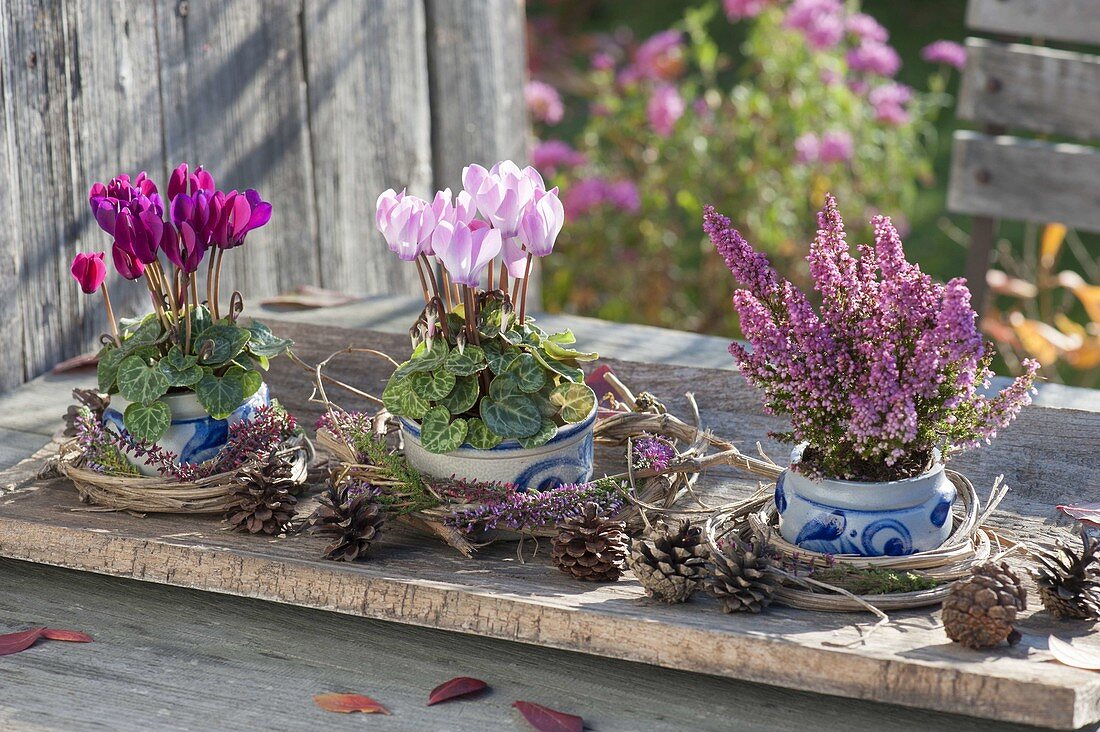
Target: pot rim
937,467
412,428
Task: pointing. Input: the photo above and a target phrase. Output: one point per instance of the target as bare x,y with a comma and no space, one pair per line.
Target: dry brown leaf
1053,236
307,296
348,703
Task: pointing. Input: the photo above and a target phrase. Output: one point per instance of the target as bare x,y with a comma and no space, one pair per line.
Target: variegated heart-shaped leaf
147,421
529,373
480,436
468,361
574,401
513,416
432,385
546,433
441,434
140,382
463,396
400,398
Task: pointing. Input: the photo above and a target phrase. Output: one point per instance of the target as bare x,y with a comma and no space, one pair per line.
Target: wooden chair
1012,89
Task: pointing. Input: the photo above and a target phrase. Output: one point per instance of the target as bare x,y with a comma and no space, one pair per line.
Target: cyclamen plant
481,371
884,373
185,344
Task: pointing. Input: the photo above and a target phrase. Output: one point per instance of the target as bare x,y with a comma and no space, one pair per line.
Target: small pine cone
1068,580
352,515
739,577
262,500
669,562
590,547
979,610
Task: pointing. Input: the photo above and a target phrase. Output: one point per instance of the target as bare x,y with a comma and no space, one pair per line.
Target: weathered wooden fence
318,104
1012,90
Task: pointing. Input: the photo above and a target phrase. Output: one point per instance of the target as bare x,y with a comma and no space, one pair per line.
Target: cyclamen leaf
432,385
545,719
528,372
468,361
499,355
463,397
71,636
457,687
19,641
505,385
546,433
107,368
147,421
228,340
348,703
575,400
571,373
564,338
251,381
480,436
140,382
513,416
262,342
220,396
425,360
180,370
400,398
439,434
148,332
561,353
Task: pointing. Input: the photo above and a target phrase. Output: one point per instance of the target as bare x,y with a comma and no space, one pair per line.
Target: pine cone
590,547
352,515
979,610
262,500
669,562
1069,581
739,577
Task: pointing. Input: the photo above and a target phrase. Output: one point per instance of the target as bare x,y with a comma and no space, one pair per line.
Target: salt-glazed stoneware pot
867,519
567,458
194,435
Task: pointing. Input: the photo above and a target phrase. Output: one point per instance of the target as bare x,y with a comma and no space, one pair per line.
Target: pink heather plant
885,371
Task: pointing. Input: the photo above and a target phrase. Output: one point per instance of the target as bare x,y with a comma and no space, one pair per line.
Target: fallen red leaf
20,641
73,636
460,686
348,703
545,719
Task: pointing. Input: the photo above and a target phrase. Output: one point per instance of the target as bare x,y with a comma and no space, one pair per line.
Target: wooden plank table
415,582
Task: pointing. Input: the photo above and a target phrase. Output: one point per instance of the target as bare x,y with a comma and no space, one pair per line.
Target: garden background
644,111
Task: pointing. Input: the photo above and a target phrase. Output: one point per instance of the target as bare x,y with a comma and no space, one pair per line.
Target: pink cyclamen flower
461,210
872,57
836,147
945,52
821,21
107,200
180,182
543,102
665,107
127,265
865,27
807,148
241,213
502,193
542,222
89,271
406,223
466,250
739,9
514,257
140,234
549,156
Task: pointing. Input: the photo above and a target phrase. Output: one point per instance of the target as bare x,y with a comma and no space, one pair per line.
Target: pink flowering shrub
889,367
806,104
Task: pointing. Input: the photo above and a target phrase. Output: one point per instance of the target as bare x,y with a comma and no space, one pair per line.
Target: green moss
874,581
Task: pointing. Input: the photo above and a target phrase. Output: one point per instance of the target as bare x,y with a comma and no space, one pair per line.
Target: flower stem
431,274
423,282
210,282
194,304
523,299
158,298
110,312
503,278
217,285
172,287
447,290
491,273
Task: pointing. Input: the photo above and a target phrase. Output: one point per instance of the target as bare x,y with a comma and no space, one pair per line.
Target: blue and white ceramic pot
193,435
867,519
567,458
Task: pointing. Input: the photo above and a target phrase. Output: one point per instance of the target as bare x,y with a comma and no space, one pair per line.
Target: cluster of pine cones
671,562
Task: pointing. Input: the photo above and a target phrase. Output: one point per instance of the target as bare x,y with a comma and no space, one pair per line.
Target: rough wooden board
1028,88
1053,20
370,127
152,639
11,310
1010,177
411,581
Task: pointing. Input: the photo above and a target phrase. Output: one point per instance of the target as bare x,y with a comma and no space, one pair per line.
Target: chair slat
1073,21
1029,88
1013,178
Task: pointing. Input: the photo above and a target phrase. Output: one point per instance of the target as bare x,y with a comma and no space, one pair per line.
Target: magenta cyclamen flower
945,52
888,368
89,271
107,200
241,213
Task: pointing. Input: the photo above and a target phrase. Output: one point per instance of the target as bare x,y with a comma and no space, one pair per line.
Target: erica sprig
520,220
202,224
888,369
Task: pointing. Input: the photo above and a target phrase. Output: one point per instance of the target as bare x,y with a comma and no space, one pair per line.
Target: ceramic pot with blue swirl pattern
867,519
566,458
193,435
